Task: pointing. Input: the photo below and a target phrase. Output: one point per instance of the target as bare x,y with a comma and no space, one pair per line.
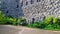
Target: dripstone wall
41,9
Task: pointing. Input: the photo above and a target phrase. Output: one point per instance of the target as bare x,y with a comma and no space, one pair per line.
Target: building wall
42,9
37,9
11,8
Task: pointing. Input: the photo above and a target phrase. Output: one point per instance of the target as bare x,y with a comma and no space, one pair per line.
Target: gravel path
8,29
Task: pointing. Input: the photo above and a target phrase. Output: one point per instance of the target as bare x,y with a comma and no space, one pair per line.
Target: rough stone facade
37,9
11,8
41,9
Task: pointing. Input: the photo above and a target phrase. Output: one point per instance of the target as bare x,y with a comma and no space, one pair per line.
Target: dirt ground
9,29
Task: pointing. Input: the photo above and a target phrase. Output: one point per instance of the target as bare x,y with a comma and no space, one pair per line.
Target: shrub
12,21
38,25
52,27
55,20
2,18
48,20
49,27
22,21
3,21
58,22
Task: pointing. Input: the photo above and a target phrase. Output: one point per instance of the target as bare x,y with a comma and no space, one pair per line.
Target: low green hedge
49,23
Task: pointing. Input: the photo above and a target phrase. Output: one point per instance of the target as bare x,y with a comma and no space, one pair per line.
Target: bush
38,25
52,27
55,20
12,21
2,18
48,20
22,21
58,22
49,23
3,21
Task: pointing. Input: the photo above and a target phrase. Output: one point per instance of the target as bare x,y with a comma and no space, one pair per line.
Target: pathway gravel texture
9,29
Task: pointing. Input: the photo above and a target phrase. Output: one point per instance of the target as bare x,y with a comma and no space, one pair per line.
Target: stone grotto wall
42,9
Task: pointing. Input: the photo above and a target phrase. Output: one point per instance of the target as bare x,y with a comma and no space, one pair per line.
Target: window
38,11
31,1
3,2
26,3
42,0
38,0
33,19
17,0
7,11
17,6
22,3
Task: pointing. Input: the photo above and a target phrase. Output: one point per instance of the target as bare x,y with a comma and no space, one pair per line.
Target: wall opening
17,6
26,3
32,1
33,20
7,11
38,0
22,3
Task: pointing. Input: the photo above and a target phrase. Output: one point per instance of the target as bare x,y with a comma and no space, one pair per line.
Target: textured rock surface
37,9
11,8
42,9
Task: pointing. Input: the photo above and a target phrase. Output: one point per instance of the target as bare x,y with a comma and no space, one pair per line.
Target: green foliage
48,20
55,20
58,22
12,21
2,18
51,20
38,25
52,27
6,20
22,21
50,23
